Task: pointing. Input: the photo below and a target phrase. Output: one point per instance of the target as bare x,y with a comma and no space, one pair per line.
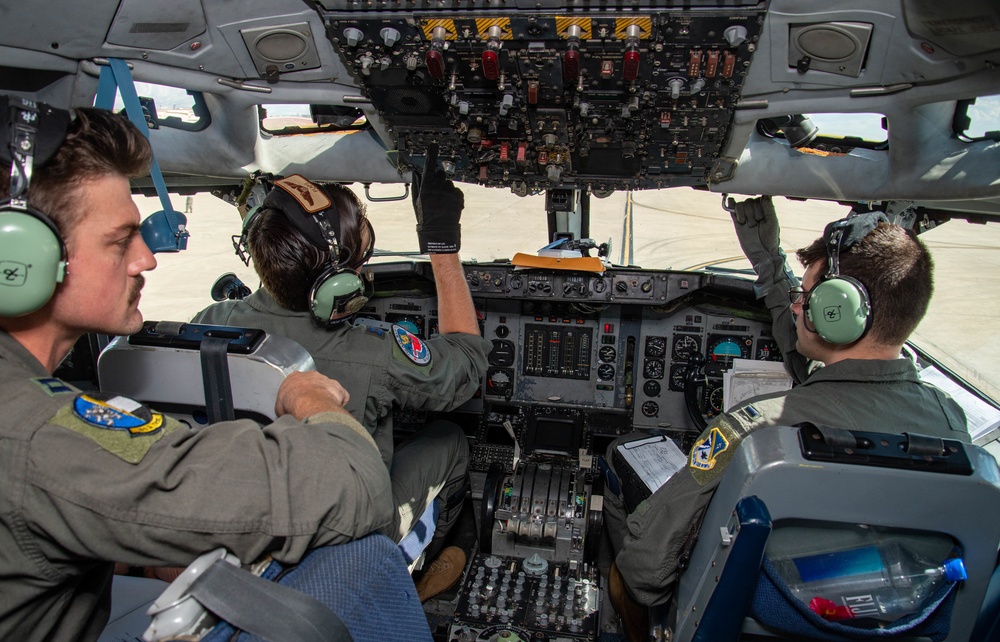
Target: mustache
137,286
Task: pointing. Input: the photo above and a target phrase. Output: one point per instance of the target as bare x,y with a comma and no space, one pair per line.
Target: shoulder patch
412,346
53,386
705,452
118,424
714,449
114,412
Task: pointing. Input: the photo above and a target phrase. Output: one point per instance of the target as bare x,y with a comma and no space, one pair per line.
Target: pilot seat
815,493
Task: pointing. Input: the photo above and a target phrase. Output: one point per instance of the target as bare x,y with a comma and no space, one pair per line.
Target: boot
442,573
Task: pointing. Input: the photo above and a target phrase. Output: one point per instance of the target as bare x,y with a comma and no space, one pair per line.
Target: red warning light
630,67
435,63
571,65
491,65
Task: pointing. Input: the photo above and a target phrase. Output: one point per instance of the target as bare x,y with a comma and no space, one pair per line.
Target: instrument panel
550,96
577,359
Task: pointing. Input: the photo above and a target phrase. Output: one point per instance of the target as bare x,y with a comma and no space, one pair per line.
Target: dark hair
896,269
99,143
287,263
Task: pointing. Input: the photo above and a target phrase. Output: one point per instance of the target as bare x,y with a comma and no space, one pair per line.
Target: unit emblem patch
705,453
412,346
113,412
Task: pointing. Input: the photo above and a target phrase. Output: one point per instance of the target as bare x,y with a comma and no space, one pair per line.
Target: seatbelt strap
266,609
215,378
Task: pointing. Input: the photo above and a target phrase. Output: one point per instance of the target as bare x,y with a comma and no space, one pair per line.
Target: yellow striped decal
622,24
483,25
565,22
429,25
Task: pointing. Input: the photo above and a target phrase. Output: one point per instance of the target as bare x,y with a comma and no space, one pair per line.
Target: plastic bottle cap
954,570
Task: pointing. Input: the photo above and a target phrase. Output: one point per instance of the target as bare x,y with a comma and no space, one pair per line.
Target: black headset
339,289
33,256
839,307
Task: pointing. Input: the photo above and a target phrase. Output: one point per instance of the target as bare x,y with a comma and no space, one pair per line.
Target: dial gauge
652,369
684,346
656,347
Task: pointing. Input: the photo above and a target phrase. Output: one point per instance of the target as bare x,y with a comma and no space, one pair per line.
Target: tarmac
678,228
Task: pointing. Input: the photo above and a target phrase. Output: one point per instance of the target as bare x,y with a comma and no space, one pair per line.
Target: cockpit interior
570,101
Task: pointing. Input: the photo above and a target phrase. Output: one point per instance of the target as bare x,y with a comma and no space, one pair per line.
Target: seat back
956,494
195,371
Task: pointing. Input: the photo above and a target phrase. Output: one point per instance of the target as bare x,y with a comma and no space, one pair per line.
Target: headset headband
309,209
843,234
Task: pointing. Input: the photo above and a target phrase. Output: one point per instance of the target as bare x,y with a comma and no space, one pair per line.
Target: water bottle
884,582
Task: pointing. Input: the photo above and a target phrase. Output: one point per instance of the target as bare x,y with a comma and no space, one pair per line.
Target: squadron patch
412,346
119,425
705,453
113,412
53,386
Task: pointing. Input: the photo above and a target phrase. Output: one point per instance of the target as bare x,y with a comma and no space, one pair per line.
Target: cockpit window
867,127
978,119
309,119
827,133
173,107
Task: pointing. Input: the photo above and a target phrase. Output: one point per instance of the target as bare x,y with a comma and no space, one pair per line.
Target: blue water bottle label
858,561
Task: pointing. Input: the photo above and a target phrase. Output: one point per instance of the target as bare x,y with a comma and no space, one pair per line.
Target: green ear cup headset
838,307
339,289
32,252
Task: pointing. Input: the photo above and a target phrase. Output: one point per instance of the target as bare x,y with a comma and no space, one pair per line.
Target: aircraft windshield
680,229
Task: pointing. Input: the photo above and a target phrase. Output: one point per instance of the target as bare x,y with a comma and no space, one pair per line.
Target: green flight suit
379,374
868,395
90,479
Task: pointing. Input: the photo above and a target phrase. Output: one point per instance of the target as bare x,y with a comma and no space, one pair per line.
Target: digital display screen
554,434
498,435
555,351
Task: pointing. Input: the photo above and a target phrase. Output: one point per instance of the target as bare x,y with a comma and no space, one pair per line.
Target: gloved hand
438,205
757,229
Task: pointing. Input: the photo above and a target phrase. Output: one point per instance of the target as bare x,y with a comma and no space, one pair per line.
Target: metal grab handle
385,199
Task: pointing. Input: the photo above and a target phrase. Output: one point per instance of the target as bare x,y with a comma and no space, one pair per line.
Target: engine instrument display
552,351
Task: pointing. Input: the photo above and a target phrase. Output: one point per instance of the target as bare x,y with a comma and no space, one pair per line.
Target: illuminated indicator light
630,66
571,65
435,63
607,69
694,63
579,321
712,64
491,65
543,158
609,328
521,151
728,64
505,151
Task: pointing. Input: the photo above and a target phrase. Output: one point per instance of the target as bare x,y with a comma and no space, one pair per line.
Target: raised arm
758,231
438,206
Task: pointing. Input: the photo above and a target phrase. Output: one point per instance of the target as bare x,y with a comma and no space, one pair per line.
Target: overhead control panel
534,99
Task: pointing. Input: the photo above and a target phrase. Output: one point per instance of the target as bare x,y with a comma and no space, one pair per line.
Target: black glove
757,229
438,205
